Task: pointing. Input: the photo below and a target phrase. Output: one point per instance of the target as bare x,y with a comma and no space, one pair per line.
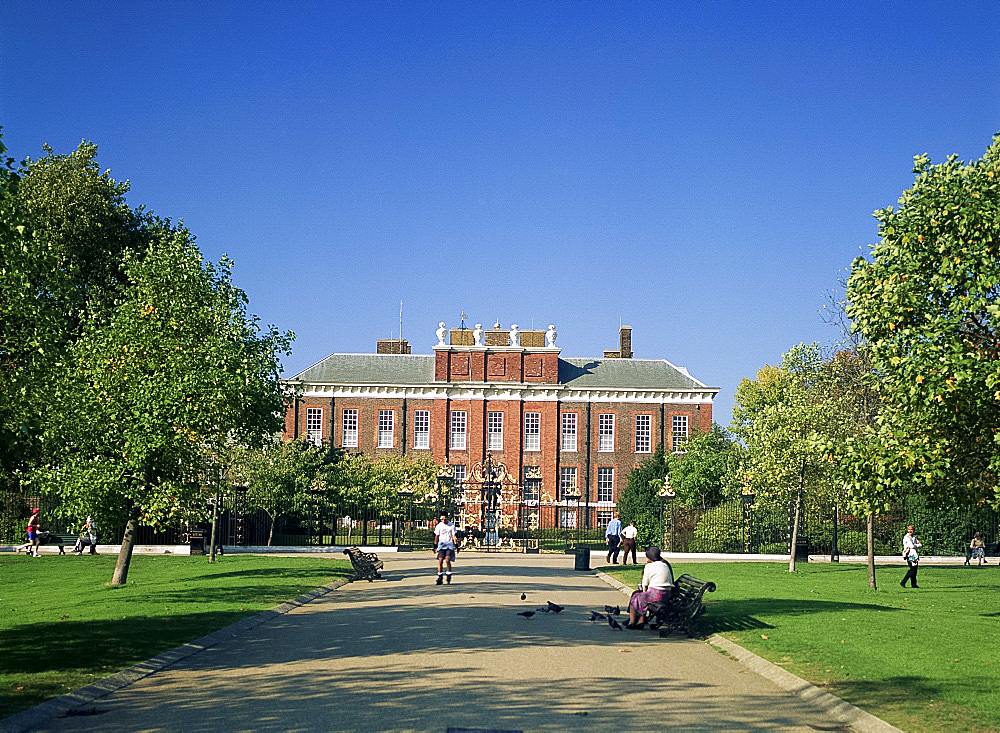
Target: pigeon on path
613,609
595,616
555,608
526,614
523,596
614,624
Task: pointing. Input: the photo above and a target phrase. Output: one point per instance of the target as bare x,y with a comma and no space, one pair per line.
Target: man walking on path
444,543
613,536
912,557
628,543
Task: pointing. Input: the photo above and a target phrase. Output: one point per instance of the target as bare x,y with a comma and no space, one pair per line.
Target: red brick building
561,426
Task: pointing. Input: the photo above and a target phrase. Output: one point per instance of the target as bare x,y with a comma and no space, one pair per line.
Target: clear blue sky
700,171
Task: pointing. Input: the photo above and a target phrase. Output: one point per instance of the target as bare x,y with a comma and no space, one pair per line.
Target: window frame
606,474
314,417
389,413
646,434
355,418
565,471
494,430
679,438
565,434
453,433
603,432
533,429
422,416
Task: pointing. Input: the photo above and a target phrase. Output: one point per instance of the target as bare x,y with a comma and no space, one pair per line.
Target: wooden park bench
54,539
682,608
366,564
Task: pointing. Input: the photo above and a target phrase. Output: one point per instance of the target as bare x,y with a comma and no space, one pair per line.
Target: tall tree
704,473
64,228
640,500
784,419
177,370
927,299
279,475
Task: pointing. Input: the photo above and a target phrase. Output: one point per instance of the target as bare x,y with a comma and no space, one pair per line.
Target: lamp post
835,548
239,513
492,474
574,497
666,494
748,500
406,493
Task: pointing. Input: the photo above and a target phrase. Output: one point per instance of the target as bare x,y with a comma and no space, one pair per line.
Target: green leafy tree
279,476
927,300
378,481
175,372
640,501
705,473
64,228
785,419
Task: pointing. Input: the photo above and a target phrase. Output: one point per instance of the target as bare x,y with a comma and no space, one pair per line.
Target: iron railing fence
746,526
737,526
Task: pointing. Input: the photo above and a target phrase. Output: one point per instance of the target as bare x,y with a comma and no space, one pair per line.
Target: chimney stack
625,342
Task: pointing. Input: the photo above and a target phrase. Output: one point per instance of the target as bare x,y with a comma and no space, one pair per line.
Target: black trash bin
801,549
196,538
582,558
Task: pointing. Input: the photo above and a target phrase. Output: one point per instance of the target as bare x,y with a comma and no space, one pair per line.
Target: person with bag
33,529
912,557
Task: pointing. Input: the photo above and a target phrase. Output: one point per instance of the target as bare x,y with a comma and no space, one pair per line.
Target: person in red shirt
33,530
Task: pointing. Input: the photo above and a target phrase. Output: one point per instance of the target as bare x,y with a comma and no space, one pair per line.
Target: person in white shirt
444,543
657,584
628,543
912,557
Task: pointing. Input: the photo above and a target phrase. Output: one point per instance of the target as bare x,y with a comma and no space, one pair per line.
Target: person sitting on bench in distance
87,538
657,584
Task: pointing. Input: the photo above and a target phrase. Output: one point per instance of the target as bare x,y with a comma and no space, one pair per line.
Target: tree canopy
130,365
927,300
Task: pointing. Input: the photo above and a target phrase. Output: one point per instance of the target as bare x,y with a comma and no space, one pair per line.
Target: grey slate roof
574,372
371,369
624,374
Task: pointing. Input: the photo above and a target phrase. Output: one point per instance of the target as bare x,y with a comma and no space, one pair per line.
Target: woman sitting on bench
977,550
657,584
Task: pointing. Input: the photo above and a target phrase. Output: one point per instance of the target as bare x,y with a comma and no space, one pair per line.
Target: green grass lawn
62,626
924,660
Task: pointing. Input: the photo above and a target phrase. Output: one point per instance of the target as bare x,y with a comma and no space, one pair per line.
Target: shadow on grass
50,659
292,573
908,696
741,614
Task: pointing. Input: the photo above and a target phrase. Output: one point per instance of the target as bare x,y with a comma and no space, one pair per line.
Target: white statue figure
550,336
441,333
515,337
477,335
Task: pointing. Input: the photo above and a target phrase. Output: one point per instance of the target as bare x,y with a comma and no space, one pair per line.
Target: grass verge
62,626
924,659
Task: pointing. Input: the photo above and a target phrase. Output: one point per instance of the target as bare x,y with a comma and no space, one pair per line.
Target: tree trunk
125,553
215,523
871,551
270,535
795,521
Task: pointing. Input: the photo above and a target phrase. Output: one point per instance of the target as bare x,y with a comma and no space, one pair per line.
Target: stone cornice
501,391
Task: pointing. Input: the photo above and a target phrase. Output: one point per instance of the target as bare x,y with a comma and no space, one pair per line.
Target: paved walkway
404,654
